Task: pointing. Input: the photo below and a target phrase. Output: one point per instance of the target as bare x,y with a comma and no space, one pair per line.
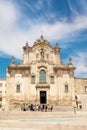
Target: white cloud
13,38
72,7
8,14
80,61
39,5
28,5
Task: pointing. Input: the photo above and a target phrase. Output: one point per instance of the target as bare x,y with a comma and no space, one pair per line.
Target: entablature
24,70
60,70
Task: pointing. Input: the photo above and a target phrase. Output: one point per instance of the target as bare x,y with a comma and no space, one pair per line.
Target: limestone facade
42,78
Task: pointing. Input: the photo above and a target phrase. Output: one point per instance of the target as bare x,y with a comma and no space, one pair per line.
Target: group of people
36,107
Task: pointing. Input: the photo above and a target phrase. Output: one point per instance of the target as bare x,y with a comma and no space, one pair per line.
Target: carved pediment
41,41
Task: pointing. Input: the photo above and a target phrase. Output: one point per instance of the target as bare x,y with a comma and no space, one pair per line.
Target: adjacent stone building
42,78
2,93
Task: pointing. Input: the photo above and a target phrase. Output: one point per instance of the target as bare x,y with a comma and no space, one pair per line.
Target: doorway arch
43,97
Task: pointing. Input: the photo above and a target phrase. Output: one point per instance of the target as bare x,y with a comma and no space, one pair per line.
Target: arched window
42,76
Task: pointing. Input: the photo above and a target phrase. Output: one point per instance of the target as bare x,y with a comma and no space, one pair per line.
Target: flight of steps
63,108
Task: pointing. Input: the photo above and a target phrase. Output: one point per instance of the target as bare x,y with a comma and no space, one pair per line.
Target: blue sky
62,21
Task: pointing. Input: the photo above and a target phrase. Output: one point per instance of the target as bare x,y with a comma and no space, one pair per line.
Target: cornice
64,68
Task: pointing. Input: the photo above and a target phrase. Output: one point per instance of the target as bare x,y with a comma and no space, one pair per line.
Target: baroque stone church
42,78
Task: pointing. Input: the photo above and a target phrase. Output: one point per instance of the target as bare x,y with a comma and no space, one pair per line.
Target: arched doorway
43,97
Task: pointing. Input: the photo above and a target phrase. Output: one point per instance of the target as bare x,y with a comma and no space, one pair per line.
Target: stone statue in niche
42,53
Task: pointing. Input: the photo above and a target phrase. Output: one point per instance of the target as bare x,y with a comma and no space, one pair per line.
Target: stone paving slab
45,124
16,120
16,129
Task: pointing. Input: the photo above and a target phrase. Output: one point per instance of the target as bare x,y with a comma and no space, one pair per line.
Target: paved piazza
58,120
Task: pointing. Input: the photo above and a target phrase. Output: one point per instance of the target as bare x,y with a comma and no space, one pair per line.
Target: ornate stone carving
47,55
23,70
42,61
42,66
57,49
26,48
41,41
13,60
71,73
42,53
59,71
42,85
37,55
70,62
33,62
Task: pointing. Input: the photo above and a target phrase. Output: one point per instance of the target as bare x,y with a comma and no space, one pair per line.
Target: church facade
42,78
